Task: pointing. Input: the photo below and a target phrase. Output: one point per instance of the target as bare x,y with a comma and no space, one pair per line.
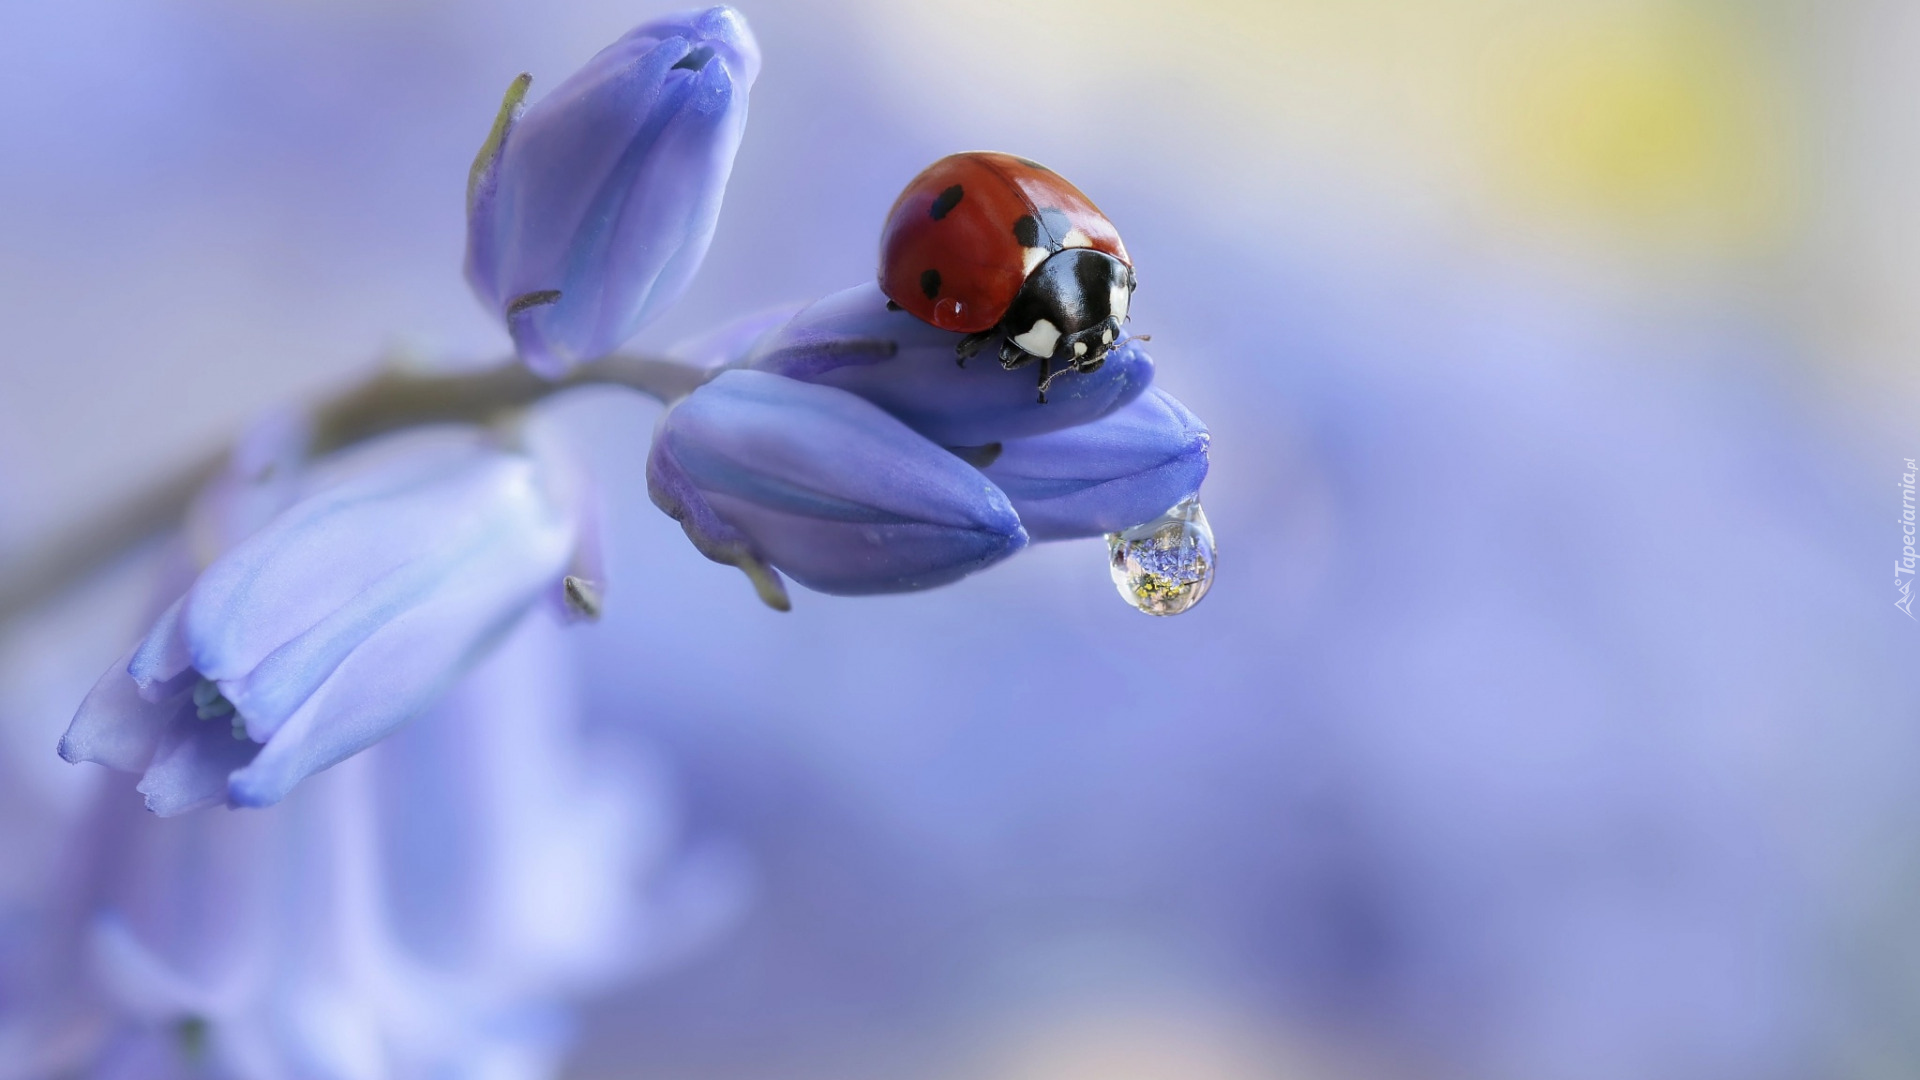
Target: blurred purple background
1550,717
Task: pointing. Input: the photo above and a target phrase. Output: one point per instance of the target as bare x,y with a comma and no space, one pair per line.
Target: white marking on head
1117,299
1079,348
1040,340
1030,258
1076,238
1106,337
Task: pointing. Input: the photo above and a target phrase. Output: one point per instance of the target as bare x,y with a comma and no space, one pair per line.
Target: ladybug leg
1013,356
1046,376
1046,379
970,345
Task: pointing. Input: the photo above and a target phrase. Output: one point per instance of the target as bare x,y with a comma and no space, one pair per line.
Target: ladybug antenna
1048,381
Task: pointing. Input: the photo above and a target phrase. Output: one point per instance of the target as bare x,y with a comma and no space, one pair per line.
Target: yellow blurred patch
1647,119
1660,124
1150,1044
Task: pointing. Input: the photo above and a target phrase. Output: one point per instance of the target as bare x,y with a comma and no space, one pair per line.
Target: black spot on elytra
1056,224
930,283
694,60
944,203
1046,230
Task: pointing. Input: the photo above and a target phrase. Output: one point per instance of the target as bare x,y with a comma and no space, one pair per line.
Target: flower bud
766,472
1121,470
853,341
589,211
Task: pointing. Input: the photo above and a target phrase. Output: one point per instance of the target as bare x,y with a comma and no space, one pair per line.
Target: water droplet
1165,566
949,313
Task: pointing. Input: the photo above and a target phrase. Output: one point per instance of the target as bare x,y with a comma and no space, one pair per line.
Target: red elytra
963,236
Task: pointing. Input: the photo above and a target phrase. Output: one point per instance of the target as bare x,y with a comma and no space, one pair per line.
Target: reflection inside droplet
1165,566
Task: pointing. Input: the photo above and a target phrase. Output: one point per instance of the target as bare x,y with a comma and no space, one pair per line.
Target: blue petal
520,836
162,665
286,677
136,976
1115,473
607,190
852,341
734,341
116,726
263,475
828,488
680,498
190,768
720,28
272,618
407,652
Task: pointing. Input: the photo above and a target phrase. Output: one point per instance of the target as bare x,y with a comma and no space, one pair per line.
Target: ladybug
992,244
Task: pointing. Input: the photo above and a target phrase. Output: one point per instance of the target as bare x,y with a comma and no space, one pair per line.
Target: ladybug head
1071,308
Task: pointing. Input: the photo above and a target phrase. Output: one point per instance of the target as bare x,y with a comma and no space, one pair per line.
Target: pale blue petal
115,726
830,489
140,980
733,341
409,658
850,340
496,502
1117,472
190,769
518,847
324,551
162,665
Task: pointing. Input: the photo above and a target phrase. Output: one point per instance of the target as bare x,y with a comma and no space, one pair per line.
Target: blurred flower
423,910
589,212
764,472
852,340
346,614
1119,471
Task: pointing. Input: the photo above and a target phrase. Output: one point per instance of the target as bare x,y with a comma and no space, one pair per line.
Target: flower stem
390,401
401,399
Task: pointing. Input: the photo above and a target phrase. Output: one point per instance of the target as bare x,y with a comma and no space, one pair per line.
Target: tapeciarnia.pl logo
1904,564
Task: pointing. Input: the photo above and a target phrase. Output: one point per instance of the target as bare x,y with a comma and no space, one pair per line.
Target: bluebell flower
853,341
425,909
523,838
755,467
1112,474
395,566
589,211
766,472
